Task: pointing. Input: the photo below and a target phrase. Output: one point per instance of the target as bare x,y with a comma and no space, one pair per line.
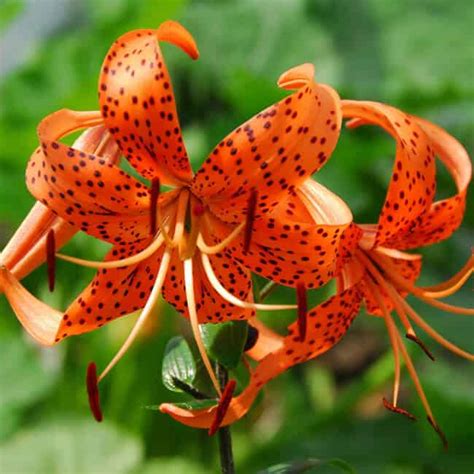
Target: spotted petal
412,186
138,106
444,216
274,151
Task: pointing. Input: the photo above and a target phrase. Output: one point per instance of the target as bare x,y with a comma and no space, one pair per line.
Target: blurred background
416,55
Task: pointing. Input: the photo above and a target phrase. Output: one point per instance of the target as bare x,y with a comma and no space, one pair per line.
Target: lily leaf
178,365
225,341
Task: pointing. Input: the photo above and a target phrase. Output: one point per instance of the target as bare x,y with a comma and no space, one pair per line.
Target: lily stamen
213,249
147,310
216,284
407,286
93,391
50,258
453,284
251,208
223,406
302,300
124,262
154,195
193,318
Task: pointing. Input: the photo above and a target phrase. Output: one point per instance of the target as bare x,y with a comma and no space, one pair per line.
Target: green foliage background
417,55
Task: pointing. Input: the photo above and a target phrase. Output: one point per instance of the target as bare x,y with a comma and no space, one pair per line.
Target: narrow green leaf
225,341
178,364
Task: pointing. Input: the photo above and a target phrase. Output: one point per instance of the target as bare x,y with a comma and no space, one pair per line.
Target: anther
398,410
252,337
438,431
93,391
420,343
302,300
154,195
223,406
194,392
51,258
251,207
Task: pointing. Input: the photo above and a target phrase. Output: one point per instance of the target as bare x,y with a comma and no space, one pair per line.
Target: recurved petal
327,323
412,185
446,215
138,106
274,151
39,320
112,293
83,188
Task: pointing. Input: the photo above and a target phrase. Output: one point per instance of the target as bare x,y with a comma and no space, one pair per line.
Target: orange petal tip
296,77
175,33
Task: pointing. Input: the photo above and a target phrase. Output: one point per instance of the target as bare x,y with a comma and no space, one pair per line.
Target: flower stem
224,435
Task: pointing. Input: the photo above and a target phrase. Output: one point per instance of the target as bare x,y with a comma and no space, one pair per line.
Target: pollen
223,406
93,391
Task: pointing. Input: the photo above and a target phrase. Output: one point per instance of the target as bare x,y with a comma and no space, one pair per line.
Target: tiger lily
380,273
251,206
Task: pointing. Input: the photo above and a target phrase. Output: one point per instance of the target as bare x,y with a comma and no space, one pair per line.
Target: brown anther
154,195
302,301
198,210
252,337
414,338
438,431
398,410
251,207
223,406
51,259
93,391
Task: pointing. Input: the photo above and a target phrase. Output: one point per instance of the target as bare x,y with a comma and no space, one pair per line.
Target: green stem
224,436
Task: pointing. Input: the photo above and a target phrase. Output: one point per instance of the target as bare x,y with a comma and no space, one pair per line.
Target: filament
147,310
125,262
193,318
216,284
213,249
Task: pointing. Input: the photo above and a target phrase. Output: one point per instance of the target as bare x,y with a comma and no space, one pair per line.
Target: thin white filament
146,312
216,284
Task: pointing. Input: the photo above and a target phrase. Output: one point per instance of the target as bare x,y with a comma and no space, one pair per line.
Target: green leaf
297,467
225,341
71,446
178,364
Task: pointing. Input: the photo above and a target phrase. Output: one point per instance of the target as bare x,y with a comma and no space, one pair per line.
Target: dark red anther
302,300
398,410
93,391
251,207
439,432
154,195
414,338
51,258
198,210
223,406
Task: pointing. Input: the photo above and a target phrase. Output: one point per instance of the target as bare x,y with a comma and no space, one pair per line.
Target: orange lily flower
251,207
379,273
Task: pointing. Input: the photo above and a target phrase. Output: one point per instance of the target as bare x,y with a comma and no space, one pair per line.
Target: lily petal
273,152
70,181
288,246
138,106
446,215
39,320
412,186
